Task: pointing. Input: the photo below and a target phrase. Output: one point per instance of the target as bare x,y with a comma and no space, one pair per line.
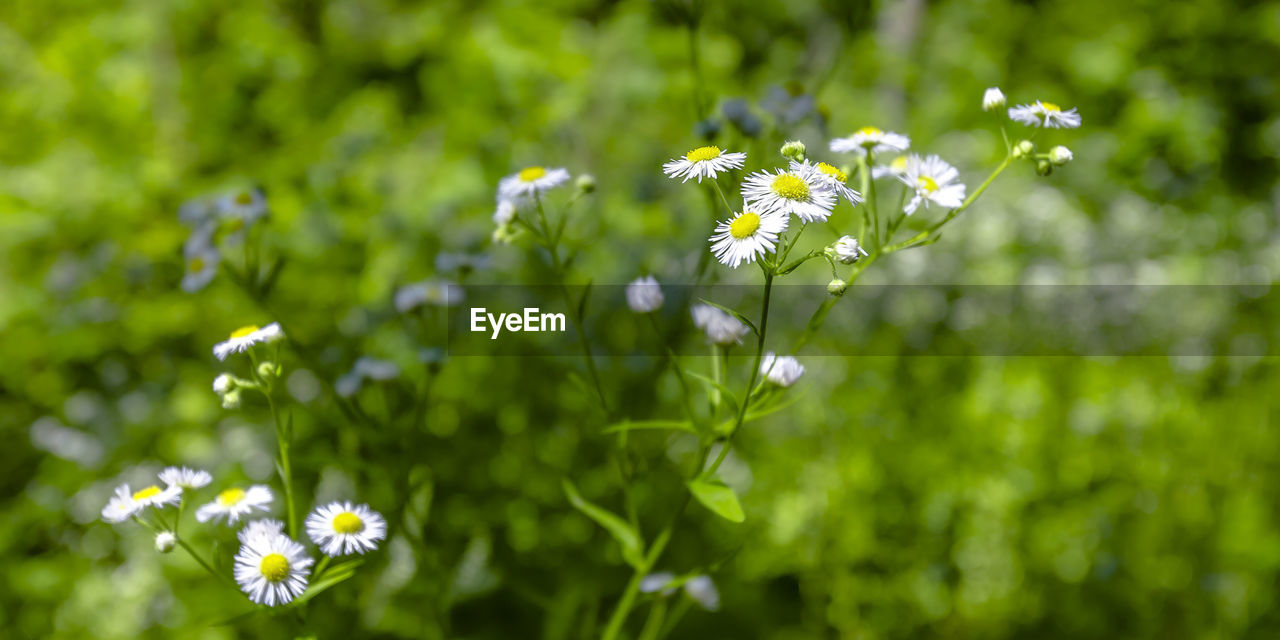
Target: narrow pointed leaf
628,539
719,498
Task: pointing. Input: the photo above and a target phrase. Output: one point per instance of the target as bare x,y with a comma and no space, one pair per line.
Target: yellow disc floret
274,567
832,171
244,198
1049,106
529,174
702,153
146,493
870,131
790,187
231,496
196,264
744,225
244,331
927,183
347,522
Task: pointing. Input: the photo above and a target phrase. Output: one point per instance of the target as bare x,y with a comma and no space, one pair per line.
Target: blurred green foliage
902,497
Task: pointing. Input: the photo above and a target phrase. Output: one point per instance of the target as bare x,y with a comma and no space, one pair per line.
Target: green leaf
719,498
733,400
651,425
733,313
332,576
628,539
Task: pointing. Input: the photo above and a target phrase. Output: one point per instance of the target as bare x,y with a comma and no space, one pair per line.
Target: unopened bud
993,98
231,399
793,150
268,369
837,287
1060,155
586,183
1044,167
165,541
1023,149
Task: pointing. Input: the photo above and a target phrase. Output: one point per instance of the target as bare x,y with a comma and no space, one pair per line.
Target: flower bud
1060,155
223,383
1044,167
1023,149
505,212
993,99
846,250
837,287
586,183
268,369
165,541
793,150
231,399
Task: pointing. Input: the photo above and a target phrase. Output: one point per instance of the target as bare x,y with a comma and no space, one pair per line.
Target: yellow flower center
832,171
1049,106
348,522
927,183
870,131
274,567
790,187
702,153
230,497
744,225
146,493
899,163
196,264
244,331
532,173
244,198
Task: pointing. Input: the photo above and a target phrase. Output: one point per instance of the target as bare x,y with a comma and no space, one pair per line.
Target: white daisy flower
1045,114
934,181
265,527
272,569
505,212
703,591
832,176
993,98
781,370
201,258
531,181
720,327
891,170
121,506
341,528
165,541
747,236
644,295
244,338
235,503
847,250
245,206
185,477
703,162
441,293
871,138
805,193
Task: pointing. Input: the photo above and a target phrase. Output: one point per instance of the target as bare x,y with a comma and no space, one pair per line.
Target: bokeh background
974,497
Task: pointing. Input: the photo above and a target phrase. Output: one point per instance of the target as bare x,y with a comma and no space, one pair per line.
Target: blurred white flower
244,206
264,528
703,162
703,591
830,176
1060,155
993,98
892,170
1045,114
505,213
644,295
747,236
125,503
873,139
781,370
201,259
365,368
806,193
272,569
720,327
658,581
531,181
933,181
343,528
235,503
245,338
434,292
185,477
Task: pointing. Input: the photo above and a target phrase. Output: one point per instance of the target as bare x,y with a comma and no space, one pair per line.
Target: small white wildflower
530,182
873,139
272,569
165,541
644,295
245,206
781,370
343,528
747,236
892,170
201,258
933,181
263,528
832,177
847,250
806,193
703,162
1045,114
993,98
703,591
235,503
185,477
245,338
720,327
1060,155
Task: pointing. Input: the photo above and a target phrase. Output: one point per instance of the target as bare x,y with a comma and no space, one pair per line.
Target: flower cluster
216,223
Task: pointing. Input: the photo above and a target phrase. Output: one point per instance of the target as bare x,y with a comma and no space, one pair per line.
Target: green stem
286,471
723,199
320,567
207,567
653,625
755,375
